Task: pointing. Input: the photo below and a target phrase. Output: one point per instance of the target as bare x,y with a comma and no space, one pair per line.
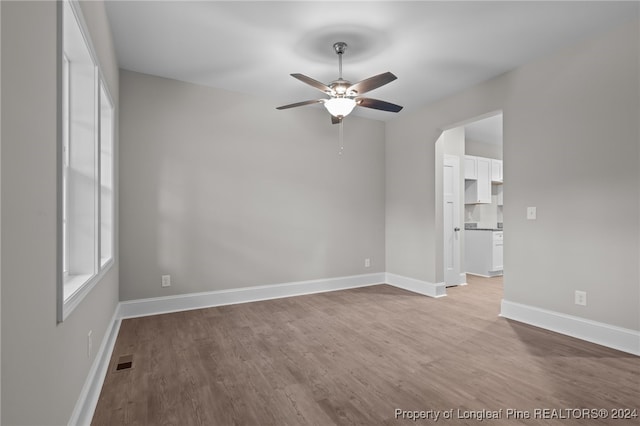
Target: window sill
105,261
72,284
76,288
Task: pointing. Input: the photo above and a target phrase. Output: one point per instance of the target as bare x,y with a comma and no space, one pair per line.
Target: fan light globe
340,107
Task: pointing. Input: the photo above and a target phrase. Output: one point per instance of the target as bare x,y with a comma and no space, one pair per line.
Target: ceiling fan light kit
344,96
339,107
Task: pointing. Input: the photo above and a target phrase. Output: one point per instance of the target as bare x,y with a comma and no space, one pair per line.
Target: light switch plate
531,213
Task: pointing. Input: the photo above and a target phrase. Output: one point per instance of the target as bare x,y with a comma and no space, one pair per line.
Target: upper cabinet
478,185
496,171
479,174
470,167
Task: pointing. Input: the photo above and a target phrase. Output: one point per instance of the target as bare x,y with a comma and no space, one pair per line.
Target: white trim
619,338
74,299
88,399
496,274
463,278
185,302
416,286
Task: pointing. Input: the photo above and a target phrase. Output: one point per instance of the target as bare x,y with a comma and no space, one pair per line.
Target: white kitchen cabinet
496,171
470,167
484,252
478,191
497,258
498,190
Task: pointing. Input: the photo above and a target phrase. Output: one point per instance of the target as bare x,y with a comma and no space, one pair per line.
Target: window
86,163
106,177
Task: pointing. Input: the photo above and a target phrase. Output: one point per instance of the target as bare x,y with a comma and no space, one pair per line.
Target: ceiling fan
343,95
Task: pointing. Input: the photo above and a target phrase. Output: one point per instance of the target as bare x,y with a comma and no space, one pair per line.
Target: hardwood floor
354,357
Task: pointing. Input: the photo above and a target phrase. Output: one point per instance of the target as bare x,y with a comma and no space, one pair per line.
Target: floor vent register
124,362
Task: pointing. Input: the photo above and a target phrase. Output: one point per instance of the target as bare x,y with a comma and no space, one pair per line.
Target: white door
451,222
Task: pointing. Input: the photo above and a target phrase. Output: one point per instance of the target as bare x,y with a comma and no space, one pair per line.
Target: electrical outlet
367,262
166,281
89,343
531,213
581,298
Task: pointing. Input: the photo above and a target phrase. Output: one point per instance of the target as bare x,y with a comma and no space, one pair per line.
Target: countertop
473,227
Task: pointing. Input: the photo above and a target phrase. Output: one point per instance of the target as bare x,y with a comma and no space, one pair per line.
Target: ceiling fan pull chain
341,133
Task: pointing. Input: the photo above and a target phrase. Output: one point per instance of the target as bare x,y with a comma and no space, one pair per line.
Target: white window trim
79,286
65,159
105,262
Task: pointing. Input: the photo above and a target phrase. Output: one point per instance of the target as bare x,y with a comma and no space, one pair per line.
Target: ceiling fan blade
335,120
372,83
378,104
297,104
313,83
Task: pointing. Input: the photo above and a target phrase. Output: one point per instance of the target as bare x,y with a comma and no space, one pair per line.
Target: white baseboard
86,404
495,274
185,302
463,278
416,286
611,336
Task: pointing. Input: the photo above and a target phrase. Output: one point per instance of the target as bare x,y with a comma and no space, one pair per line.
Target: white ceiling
434,48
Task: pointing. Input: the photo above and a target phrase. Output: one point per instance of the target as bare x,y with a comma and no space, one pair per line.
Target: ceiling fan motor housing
340,47
339,88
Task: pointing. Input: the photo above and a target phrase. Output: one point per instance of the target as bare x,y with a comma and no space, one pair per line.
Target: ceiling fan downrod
340,48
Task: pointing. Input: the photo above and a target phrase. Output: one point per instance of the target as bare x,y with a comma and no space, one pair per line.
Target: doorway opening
470,199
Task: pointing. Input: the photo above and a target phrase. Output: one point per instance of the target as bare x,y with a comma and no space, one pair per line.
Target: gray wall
570,149
223,191
44,365
482,149
0,215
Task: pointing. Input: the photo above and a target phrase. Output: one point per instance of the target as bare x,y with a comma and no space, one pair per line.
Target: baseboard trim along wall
88,400
185,302
416,286
463,278
619,338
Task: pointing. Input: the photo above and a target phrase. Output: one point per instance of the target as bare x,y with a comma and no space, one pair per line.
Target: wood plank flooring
353,357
